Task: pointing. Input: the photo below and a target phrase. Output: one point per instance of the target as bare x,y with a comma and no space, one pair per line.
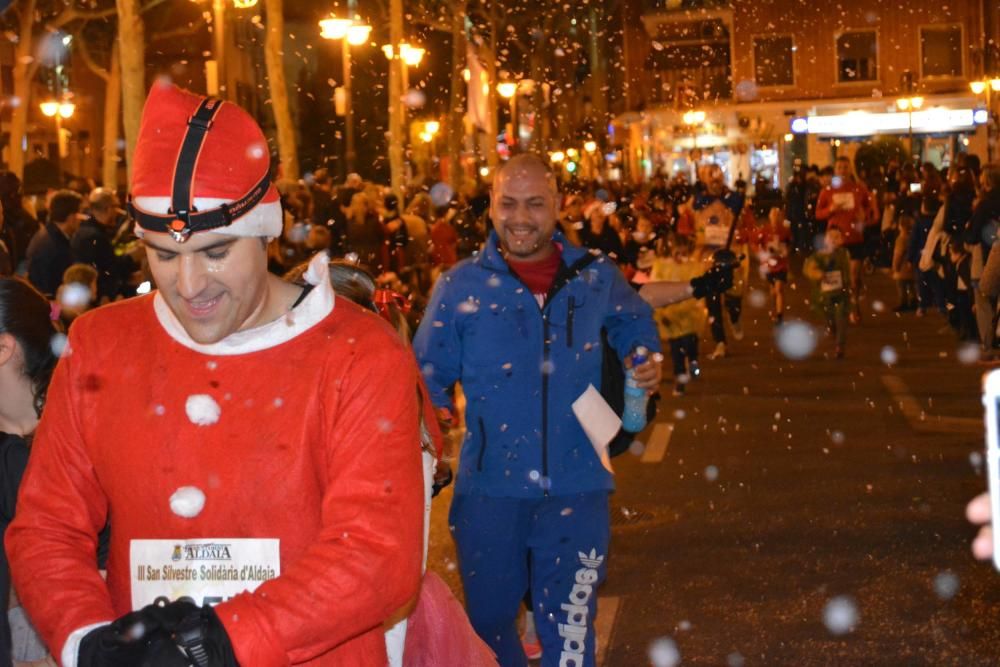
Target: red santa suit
276,470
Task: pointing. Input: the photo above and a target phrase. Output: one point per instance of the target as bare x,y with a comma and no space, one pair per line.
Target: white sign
833,281
208,571
863,124
599,422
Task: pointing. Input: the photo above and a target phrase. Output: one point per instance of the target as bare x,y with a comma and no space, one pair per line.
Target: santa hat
201,165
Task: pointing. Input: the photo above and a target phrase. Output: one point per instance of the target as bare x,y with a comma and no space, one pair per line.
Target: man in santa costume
250,441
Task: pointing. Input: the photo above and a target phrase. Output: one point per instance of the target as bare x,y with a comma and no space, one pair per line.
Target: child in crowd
78,292
902,267
770,243
829,270
958,290
681,323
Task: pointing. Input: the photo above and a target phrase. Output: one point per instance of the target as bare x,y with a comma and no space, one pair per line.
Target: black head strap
183,218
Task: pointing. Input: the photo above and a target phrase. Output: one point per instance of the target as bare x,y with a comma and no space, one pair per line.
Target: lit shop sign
861,123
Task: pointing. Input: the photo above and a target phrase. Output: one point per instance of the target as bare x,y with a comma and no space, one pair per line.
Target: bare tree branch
186,31
88,59
150,5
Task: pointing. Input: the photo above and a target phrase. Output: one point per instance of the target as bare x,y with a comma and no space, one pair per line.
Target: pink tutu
439,633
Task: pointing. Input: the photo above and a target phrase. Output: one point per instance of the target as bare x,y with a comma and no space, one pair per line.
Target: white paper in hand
599,422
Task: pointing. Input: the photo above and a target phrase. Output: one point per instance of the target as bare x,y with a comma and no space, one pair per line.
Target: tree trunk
132,54
273,53
598,71
112,119
24,69
456,110
397,130
492,159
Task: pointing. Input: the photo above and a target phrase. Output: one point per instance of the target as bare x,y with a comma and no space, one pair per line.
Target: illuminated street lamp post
508,91
410,56
350,32
908,104
987,87
60,111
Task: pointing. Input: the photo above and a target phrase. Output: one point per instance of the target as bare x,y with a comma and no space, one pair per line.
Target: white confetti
757,298
889,355
968,353
664,653
187,502
946,585
202,409
796,339
58,344
145,287
74,295
840,616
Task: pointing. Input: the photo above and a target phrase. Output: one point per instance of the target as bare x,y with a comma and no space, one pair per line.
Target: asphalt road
803,513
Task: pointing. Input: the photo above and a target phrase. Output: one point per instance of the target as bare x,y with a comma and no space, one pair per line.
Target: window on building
773,60
857,56
941,50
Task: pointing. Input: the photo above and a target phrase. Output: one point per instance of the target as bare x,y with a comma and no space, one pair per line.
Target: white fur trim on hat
264,219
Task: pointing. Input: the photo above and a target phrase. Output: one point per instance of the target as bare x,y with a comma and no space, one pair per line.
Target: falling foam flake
757,298
711,474
74,295
889,355
202,409
840,616
58,344
664,653
946,585
796,339
187,502
968,353
636,448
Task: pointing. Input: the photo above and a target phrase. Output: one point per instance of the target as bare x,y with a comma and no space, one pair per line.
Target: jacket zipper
546,366
569,322
482,449
563,276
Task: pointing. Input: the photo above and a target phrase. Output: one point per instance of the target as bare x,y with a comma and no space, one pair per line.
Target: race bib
714,222
207,571
716,235
832,281
844,200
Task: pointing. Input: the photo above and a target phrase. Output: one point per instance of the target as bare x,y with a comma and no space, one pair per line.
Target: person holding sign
519,326
846,204
252,441
827,269
710,217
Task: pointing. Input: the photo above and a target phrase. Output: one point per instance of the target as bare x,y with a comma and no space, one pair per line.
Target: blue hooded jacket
522,367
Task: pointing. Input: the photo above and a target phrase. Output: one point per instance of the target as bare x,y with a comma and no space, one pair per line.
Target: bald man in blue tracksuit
519,325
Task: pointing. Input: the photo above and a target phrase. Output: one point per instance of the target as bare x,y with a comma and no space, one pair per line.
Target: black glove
716,280
126,641
441,480
178,634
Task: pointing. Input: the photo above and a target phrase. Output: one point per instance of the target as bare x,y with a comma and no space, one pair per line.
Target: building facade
755,86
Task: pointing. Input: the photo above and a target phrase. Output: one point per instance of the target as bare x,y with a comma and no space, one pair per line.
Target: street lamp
909,104
508,91
987,87
350,32
59,111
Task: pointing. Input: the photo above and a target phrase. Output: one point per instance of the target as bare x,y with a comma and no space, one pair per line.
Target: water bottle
634,417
